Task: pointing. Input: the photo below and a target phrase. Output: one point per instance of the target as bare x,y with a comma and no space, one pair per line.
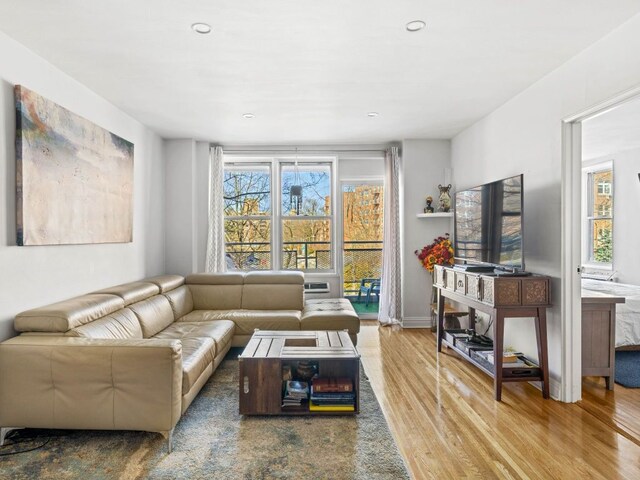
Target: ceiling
310,71
611,132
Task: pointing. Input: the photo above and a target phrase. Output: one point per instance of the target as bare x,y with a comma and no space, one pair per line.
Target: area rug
628,368
213,441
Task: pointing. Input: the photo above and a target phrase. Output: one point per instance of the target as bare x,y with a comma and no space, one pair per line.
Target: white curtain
390,311
215,233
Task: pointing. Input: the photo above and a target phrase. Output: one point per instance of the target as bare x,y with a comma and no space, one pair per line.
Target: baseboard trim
416,322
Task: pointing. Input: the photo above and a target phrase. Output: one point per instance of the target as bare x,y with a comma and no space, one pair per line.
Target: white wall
34,276
179,209
186,214
423,167
626,228
524,136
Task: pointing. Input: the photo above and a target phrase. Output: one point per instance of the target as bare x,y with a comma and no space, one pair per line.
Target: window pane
602,241
247,190
248,244
306,189
306,244
602,193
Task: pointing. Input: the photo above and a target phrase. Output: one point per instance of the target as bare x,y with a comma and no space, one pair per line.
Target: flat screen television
488,225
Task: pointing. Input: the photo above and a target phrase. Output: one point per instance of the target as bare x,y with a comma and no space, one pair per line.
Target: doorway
601,191
362,232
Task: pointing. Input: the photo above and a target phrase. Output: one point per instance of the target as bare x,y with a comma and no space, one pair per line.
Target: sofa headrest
274,277
68,314
133,292
229,278
166,283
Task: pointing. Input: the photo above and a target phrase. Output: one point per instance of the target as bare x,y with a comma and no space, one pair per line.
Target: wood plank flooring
447,425
620,408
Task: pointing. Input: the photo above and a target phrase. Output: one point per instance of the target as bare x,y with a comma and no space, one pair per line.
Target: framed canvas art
74,179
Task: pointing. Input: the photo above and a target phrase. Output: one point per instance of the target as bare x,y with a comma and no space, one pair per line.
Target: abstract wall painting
74,179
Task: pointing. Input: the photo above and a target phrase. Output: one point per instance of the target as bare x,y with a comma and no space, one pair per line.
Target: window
285,224
604,188
247,210
599,215
306,216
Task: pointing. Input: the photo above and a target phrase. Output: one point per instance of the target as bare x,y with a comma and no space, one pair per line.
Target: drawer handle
460,283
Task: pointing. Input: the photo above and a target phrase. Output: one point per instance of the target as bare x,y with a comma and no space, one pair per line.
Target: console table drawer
503,293
473,286
450,280
439,276
460,284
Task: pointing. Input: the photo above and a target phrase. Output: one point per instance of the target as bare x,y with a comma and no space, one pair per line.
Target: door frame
361,180
571,241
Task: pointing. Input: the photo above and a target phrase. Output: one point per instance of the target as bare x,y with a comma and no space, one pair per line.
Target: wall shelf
435,215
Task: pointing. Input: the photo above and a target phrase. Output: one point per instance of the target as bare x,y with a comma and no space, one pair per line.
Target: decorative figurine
445,198
429,208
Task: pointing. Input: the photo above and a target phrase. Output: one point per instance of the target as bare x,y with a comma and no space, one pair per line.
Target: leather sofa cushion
132,292
154,315
220,331
180,300
216,297
272,297
229,278
248,320
166,282
330,314
197,354
68,314
118,325
207,315
271,277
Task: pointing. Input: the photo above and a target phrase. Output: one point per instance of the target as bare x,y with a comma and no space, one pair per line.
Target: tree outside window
247,208
306,219
305,215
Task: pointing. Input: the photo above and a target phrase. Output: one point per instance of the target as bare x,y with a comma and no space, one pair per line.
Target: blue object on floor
369,286
628,368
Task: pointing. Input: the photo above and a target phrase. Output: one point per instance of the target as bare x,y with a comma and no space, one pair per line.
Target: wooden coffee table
266,354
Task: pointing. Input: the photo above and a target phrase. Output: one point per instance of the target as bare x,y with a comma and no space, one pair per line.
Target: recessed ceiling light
248,115
372,114
202,28
415,25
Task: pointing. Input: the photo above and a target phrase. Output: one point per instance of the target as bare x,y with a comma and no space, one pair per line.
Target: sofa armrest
81,383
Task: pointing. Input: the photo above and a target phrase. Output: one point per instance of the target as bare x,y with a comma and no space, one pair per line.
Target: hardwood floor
620,408
447,425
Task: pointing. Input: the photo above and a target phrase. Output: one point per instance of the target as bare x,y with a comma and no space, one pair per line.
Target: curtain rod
299,150
308,149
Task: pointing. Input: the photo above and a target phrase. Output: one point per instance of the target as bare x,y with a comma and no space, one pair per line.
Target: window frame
280,217
590,214
252,163
276,217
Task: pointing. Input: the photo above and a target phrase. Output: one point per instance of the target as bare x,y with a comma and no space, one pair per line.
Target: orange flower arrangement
440,252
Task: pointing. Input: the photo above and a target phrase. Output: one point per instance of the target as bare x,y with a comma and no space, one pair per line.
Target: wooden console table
501,298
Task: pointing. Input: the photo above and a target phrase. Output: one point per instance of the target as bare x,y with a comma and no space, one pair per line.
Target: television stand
501,298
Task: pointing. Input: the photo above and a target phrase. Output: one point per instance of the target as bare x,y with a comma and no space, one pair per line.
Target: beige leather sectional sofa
134,356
